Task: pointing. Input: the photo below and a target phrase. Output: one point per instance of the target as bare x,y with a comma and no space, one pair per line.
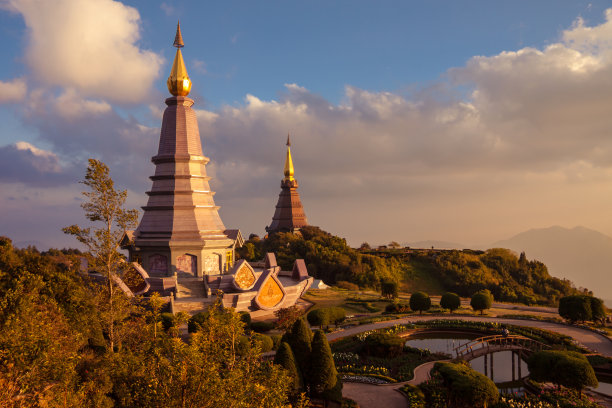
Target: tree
420,301
394,244
598,310
285,358
286,317
104,204
365,247
450,301
481,301
567,368
389,289
575,308
300,340
323,375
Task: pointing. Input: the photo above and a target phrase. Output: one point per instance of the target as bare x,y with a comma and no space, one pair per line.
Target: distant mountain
435,244
579,254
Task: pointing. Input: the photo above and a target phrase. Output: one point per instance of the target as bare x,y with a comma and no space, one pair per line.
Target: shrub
397,307
246,318
276,341
265,342
383,345
481,301
420,301
318,317
598,310
450,301
347,285
193,324
567,368
467,387
167,320
414,395
262,327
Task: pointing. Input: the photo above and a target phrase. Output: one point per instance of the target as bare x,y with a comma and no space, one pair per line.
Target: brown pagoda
180,233
289,215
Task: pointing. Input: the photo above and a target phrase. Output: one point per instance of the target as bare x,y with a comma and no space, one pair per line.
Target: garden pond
502,372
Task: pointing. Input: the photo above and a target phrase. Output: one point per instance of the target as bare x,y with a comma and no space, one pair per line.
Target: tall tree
284,357
104,205
323,374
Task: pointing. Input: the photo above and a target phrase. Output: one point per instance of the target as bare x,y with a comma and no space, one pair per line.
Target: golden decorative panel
270,294
244,278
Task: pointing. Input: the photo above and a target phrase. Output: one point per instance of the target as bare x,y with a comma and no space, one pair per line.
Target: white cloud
13,91
88,45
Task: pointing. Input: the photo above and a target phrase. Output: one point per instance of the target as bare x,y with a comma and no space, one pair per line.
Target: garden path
374,396
594,341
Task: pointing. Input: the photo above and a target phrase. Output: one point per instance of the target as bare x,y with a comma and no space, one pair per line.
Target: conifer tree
300,339
323,375
285,358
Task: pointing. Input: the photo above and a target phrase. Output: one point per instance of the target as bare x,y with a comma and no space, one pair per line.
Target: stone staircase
191,296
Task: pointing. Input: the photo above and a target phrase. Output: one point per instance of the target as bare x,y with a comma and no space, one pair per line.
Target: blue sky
483,118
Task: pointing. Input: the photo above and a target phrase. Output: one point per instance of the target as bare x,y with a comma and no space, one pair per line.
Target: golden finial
288,163
179,83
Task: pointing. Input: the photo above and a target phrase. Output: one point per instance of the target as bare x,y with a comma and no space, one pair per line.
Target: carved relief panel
211,265
187,265
158,265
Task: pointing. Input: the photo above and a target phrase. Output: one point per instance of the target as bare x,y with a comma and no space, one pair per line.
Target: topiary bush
265,342
466,386
450,301
420,301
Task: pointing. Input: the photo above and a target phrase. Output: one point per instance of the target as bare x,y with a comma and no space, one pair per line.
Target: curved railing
492,344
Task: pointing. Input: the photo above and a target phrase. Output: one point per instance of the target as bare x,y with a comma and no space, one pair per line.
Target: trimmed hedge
326,316
262,327
466,386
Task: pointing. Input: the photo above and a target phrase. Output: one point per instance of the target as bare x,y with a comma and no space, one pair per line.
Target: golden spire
179,83
288,162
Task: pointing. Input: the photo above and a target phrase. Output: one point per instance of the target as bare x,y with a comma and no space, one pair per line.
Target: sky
465,121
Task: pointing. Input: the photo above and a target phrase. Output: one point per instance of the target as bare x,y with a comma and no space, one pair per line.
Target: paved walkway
387,396
594,341
374,396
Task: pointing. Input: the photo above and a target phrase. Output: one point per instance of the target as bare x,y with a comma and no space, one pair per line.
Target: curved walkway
594,341
374,396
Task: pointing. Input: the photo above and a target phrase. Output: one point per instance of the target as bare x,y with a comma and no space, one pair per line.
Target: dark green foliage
326,316
481,301
300,339
389,289
195,321
334,393
284,357
322,375
265,342
246,318
467,387
567,368
383,345
450,301
420,301
262,327
276,341
598,310
329,258
575,308
167,320
397,307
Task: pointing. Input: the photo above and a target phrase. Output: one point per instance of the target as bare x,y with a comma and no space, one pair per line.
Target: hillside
329,258
579,254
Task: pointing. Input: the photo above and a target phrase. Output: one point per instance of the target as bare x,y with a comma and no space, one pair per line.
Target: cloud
88,45
535,123
23,162
13,91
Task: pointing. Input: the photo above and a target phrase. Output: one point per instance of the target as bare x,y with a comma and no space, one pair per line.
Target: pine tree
300,339
284,357
323,375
